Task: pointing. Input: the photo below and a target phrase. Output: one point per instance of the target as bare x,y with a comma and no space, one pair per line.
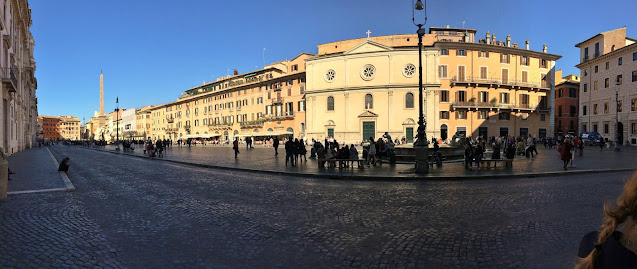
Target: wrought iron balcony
9,79
252,124
499,83
277,100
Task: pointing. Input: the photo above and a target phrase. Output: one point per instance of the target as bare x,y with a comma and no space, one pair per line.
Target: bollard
4,177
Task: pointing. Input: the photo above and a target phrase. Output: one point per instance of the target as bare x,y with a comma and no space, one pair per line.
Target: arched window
330,103
369,101
409,100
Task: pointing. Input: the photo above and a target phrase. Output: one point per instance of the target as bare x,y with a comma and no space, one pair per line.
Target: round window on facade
368,72
330,75
409,70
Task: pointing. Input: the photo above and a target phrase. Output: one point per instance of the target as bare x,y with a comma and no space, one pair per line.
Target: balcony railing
253,123
9,78
497,106
286,116
170,120
277,100
499,82
220,124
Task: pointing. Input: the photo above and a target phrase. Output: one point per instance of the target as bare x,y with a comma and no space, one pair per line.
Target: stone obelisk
101,93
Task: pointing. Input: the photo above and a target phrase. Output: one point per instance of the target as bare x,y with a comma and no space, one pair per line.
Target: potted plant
493,101
472,100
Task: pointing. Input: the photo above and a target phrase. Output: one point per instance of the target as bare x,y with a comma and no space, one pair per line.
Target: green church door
369,129
409,134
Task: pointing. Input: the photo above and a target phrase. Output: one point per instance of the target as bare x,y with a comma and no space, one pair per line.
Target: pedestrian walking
275,144
289,151
235,146
565,152
528,150
581,146
302,152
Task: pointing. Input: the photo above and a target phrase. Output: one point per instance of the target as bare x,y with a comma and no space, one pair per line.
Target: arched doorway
225,135
443,132
290,130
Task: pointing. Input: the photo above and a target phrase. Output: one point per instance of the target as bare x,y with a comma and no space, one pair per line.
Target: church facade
362,88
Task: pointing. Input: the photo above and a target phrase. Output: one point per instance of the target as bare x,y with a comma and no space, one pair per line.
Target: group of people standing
345,156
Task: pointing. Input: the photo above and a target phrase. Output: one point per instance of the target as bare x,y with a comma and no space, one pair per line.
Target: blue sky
152,50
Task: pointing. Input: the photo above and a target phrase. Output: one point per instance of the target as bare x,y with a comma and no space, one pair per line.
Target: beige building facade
259,104
362,88
18,123
608,72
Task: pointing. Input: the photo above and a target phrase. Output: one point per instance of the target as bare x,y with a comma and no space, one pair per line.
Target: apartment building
260,104
608,72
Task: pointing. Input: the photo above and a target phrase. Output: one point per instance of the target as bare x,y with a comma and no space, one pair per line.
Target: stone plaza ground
131,212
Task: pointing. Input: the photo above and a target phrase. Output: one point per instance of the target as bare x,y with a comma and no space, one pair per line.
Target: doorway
443,132
483,131
409,134
620,128
369,129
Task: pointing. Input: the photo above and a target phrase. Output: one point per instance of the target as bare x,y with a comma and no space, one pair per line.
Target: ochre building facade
259,104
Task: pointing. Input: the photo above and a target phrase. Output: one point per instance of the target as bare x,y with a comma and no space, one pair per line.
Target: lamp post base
422,158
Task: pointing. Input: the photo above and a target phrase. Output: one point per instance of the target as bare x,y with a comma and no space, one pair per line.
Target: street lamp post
117,122
617,140
420,145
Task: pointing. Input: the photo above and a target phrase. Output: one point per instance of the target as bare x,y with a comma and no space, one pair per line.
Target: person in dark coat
565,152
275,144
64,165
496,151
235,146
297,150
320,154
289,152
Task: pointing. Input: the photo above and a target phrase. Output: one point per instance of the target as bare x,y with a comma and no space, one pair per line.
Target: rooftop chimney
235,72
508,40
544,48
488,37
527,44
494,41
447,26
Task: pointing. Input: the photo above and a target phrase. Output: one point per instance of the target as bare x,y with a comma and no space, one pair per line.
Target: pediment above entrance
368,46
368,114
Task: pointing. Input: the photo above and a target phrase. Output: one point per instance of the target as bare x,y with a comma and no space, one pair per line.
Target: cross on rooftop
368,32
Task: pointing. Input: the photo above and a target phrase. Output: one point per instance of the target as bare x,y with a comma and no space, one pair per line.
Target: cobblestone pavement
140,213
263,158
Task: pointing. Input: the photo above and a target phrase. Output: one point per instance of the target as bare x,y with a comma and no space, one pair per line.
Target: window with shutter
505,76
483,72
525,76
461,73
